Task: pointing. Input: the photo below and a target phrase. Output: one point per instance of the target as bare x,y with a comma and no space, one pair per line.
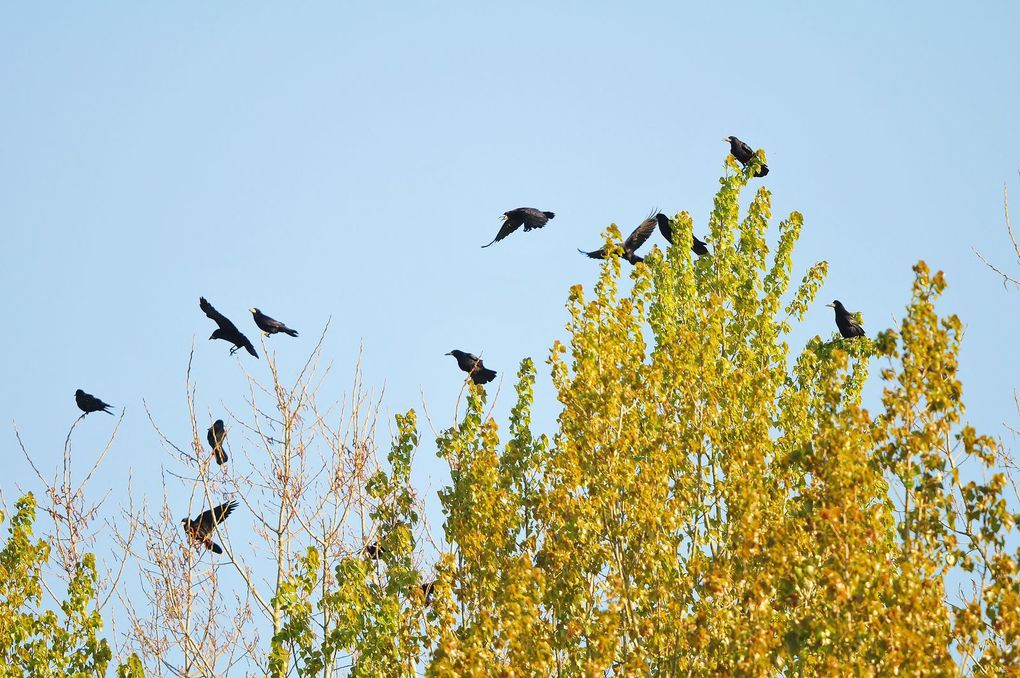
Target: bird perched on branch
666,228
744,153
472,364
374,550
848,326
89,403
216,435
629,246
529,217
226,330
270,325
200,529
427,589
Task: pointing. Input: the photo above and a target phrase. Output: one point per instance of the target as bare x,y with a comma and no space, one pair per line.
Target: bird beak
725,139
450,353
502,217
831,305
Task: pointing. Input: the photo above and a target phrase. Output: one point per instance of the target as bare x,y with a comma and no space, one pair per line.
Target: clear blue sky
319,159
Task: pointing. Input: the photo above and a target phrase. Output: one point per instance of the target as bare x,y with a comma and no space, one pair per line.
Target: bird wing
666,229
508,227
596,254
214,516
640,234
215,315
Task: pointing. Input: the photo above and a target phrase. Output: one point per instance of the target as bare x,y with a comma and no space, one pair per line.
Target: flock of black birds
199,530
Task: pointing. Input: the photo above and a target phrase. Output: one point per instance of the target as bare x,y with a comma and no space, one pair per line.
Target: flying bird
666,228
631,244
89,403
472,364
216,435
270,325
848,327
744,153
200,529
529,217
226,330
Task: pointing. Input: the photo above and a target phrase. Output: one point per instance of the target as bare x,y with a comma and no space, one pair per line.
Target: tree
41,642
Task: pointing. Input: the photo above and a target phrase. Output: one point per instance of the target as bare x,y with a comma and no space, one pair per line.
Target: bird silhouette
215,436
848,327
226,330
529,217
88,403
636,239
200,529
270,325
744,153
472,364
666,228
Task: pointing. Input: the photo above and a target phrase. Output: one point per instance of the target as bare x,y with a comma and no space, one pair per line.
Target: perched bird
89,403
216,435
529,217
631,244
200,529
270,325
427,589
472,364
374,550
226,330
666,228
744,153
848,327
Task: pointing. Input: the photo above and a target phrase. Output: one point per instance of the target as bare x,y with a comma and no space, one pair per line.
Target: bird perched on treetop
89,403
848,327
270,325
226,330
629,246
744,153
529,217
472,364
200,529
666,228
215,436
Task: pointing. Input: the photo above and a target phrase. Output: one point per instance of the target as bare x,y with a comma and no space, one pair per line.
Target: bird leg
234,350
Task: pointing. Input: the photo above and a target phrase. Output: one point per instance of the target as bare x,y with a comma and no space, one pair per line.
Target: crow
744,153
216,435
226,330
427,589
374,550
270,325
200,529
631,244
472,364
848,327
529,217
666,228
89,403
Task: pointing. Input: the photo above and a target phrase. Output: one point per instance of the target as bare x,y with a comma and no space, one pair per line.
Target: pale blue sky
320,160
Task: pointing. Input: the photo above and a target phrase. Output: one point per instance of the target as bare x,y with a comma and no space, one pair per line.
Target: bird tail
221,456
108,411
251,349
493,240
484,376
549,215
287,330
216,549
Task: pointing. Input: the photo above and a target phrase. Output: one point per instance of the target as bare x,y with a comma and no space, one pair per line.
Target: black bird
848,327
744,153
529,217
216,435
200,529
270,325
472,364
89,403
374,550
427,589
697,246
226,330
631,244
